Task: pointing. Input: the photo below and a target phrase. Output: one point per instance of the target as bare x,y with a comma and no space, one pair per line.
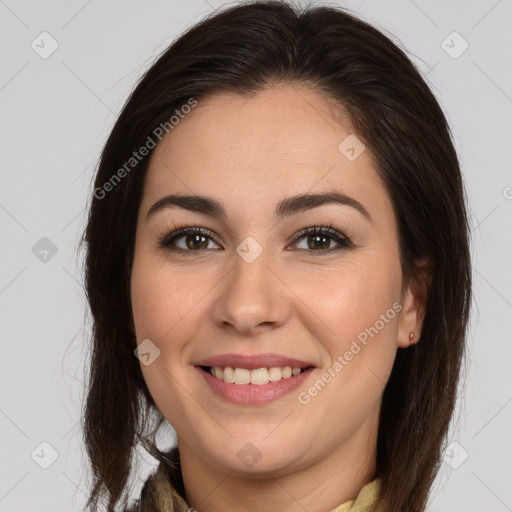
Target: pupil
194,240
318,237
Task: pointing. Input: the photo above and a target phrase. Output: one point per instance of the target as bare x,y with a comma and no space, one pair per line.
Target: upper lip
251,362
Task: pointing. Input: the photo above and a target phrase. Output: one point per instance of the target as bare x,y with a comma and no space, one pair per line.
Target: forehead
260,147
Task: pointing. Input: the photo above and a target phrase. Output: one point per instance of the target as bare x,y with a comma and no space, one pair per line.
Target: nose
252,296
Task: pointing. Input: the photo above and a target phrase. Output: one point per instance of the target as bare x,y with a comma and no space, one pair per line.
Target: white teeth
275,374
242,376
258,376
229,375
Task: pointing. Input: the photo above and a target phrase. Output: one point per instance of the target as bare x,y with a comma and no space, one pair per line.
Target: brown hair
244,49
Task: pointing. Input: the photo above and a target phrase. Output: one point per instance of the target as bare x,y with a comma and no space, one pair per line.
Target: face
255,290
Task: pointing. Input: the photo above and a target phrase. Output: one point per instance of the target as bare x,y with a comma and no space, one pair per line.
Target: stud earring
411,338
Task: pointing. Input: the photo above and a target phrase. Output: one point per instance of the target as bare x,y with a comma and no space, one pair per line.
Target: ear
414,302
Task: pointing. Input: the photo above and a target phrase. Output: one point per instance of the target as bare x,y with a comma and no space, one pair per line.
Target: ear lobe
414,305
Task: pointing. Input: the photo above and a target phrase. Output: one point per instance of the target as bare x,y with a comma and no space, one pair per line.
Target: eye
320,237
195,239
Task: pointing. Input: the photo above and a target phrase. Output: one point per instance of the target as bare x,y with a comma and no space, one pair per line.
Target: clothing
164,492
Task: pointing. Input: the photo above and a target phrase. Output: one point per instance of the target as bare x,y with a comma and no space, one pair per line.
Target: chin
251,459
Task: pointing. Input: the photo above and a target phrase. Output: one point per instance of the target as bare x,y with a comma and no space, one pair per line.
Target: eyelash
166,239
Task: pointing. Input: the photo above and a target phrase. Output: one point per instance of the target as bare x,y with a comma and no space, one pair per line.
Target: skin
249,153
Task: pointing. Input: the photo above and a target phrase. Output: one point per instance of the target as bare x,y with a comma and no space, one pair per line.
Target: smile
240,388
257,376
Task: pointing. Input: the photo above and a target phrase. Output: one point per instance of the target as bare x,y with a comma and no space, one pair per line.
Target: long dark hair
246,48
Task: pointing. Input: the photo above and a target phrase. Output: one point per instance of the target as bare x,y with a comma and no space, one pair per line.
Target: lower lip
252,394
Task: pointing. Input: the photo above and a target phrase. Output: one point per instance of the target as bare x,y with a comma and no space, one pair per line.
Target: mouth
255,376
253,386
253,379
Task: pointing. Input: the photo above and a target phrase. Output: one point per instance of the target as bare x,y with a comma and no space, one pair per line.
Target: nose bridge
252,293
250,276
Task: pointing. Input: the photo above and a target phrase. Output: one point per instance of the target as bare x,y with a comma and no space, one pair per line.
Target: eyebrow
286,207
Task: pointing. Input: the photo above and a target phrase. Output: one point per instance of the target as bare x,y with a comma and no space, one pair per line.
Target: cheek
152,308
162,298
358,304
168,309
160,304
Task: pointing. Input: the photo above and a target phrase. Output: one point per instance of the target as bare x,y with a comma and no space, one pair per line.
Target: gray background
56,113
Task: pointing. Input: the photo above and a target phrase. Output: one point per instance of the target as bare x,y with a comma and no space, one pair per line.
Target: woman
278,233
